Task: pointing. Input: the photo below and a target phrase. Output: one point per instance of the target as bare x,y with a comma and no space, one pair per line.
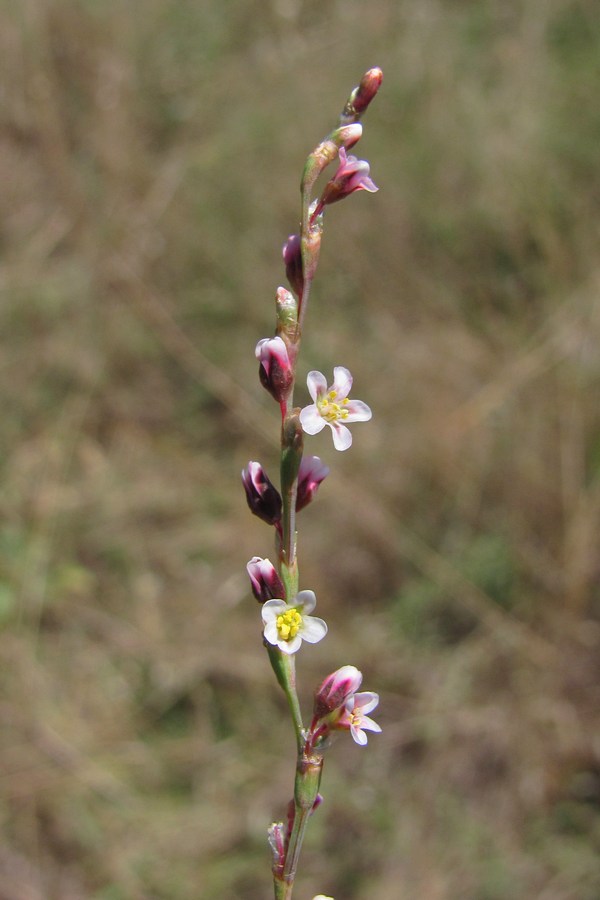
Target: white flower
287,625
355,716
322,897
332,407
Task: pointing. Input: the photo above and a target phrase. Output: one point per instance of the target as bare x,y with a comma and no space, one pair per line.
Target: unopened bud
264,580
312,472
362,95
263,497
275,369
335,690
345,136
292,257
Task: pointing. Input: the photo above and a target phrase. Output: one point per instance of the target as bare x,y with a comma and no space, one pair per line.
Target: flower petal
342,436
369,725
313,629
357,411
270,633
271,609
316,383
290,646
307,600
311,420
358,735
366,701
342,382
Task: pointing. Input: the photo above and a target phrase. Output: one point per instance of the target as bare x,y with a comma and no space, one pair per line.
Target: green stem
306,789
284,666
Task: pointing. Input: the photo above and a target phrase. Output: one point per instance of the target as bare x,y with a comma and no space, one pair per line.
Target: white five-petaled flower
333,407
287,625
355,715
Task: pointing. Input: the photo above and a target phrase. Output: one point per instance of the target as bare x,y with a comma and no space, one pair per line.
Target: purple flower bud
352,175
310,475
264,580
275,370
292,257
263,497
335,690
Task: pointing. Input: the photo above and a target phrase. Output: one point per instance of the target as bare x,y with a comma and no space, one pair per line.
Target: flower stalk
286,610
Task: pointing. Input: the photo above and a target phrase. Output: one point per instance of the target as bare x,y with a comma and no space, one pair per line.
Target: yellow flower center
330,410
289,624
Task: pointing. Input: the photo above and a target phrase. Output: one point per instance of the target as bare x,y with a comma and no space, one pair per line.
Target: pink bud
366,90
347,135
292,257
264,580
263,497
335,690
310,475
275,370
362,95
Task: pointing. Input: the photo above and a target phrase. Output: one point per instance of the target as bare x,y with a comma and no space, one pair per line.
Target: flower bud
292,257
264,580
275,370
362,95
312,472
347,135
263,497
335,690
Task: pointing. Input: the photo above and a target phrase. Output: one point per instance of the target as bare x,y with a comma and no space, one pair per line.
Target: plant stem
306,789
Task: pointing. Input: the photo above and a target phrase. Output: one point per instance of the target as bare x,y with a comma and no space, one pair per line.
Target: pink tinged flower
312,472
355,716
287,625
292,258
352,175
333,407
275,370
335,690
263,497
264,580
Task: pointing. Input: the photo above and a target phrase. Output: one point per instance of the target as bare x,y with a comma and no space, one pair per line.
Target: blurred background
150,158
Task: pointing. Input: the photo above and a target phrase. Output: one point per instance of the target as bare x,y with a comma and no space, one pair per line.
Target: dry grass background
150,157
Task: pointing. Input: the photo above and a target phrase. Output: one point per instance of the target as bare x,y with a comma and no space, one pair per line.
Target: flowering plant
286,610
